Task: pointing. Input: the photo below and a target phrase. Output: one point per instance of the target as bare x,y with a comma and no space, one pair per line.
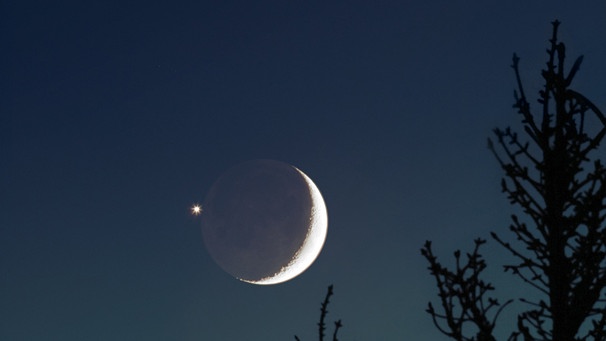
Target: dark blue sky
115,117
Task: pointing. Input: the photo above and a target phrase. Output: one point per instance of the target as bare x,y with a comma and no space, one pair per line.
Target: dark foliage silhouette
321,324
560,248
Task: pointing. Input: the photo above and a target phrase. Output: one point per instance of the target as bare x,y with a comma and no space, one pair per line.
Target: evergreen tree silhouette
560,250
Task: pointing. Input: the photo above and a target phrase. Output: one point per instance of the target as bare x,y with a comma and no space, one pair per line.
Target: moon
264,222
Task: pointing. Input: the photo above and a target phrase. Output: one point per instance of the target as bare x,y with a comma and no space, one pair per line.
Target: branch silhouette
462,295
323,313
560,248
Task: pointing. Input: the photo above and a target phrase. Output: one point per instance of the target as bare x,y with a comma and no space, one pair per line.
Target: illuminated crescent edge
314,240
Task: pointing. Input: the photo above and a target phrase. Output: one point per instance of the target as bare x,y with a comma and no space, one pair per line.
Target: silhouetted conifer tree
561,242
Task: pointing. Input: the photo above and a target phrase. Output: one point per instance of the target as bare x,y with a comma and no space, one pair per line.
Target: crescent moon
314,241
264,222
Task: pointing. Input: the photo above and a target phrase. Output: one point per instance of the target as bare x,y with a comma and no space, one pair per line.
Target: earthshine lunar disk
264,222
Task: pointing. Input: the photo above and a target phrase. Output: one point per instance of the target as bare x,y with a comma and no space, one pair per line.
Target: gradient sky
116,116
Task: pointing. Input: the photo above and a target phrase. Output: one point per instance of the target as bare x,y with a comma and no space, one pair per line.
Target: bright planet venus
264,222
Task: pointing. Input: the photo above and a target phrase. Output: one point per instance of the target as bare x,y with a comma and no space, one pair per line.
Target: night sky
116,116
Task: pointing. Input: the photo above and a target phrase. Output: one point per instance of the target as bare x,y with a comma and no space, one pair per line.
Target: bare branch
561,247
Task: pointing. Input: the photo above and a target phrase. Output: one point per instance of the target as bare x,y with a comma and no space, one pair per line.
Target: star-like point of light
196,209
